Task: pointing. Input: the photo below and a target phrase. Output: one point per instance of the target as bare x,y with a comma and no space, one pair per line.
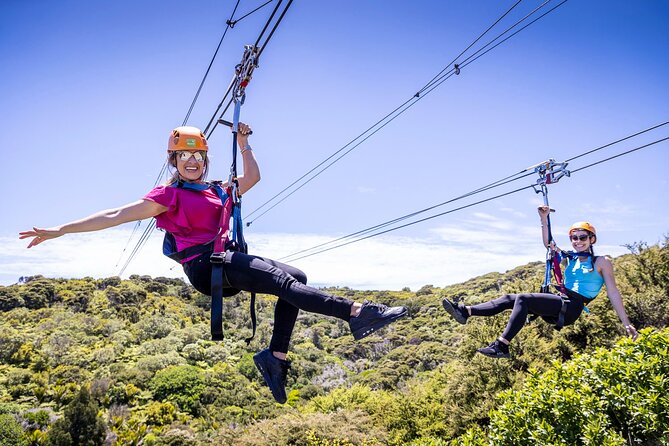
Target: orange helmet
582,225
187,138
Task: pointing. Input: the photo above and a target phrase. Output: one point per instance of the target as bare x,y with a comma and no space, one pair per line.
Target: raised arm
250,171
544,211
605,267
138,210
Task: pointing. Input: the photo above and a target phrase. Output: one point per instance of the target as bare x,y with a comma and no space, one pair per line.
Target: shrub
80,424
599,399
10,298
182,385
11,433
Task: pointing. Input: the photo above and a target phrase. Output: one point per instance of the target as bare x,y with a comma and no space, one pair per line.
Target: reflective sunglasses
582,237
185,155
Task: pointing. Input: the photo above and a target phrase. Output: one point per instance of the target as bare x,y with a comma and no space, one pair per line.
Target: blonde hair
174,172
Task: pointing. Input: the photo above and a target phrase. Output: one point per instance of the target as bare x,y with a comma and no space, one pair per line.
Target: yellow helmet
187,138
582,225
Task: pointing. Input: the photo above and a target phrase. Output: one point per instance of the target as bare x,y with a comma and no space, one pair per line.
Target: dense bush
143,348
611,397
80,424
182,385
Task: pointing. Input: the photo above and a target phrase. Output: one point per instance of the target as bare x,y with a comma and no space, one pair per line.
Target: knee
523,299
300,276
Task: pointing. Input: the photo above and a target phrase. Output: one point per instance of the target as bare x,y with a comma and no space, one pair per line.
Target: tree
11,433
80,425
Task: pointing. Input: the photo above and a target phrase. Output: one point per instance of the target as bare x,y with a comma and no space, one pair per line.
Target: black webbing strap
217,273
218,282
560,319
191,251
253,317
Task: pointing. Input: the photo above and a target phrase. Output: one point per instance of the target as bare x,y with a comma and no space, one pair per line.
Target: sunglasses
582,237
185,155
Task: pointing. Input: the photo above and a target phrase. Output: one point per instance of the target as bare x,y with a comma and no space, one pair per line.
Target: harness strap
217,273
191,251
563,310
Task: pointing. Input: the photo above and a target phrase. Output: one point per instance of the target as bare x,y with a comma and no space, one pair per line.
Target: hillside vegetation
129,362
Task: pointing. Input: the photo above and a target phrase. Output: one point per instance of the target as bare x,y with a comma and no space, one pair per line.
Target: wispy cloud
444,255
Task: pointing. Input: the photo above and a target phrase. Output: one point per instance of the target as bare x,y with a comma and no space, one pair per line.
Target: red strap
557,272
224,223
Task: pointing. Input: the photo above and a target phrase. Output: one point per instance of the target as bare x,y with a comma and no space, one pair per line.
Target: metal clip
217,257
244,71
550,171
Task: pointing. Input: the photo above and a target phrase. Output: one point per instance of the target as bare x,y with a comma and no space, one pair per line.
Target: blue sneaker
457,311
497,349
275,373
373,317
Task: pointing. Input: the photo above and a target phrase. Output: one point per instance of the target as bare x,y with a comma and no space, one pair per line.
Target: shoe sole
455,314
267,379
359,334
506,355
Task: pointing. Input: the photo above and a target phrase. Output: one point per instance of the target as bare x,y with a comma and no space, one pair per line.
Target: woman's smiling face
581,240
190,164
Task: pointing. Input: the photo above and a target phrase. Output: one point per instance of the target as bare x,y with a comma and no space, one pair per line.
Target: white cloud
387,262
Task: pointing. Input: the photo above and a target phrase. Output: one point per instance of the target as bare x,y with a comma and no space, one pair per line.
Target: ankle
355,309
503,341
280,355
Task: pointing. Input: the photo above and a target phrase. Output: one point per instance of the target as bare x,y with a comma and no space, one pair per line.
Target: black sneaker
373,317
274,371
458,312
497,349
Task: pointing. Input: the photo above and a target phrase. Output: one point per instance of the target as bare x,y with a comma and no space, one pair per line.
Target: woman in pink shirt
193,218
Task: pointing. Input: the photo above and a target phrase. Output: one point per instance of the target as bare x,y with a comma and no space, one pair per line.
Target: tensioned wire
487,187
292,257
149,229
391,116
213,119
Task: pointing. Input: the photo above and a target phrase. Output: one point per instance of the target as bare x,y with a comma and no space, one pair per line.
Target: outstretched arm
138,210
606,269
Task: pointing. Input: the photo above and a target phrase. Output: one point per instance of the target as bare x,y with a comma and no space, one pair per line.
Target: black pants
260,275
523,304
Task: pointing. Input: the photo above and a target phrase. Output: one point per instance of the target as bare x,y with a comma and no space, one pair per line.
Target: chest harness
230,235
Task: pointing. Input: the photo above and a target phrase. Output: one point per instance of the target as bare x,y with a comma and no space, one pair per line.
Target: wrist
246,147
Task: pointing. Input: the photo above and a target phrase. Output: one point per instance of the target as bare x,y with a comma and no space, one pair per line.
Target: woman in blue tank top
584,277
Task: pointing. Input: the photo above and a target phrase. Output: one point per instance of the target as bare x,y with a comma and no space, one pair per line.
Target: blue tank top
582,277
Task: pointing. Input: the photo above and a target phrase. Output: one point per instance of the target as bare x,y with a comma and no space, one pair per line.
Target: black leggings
260,275
521,305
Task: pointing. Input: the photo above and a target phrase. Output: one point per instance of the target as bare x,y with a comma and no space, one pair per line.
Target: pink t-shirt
191,216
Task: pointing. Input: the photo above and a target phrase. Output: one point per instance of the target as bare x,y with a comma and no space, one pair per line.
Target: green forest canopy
136,354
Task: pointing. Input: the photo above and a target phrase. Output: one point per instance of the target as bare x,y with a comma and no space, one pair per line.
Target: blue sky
90,91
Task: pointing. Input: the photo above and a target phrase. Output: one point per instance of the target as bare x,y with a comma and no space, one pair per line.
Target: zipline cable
204,78
470,45
232,23
214,118
616,142
473,57
395,113
415,222
293,258
620,154
497,183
